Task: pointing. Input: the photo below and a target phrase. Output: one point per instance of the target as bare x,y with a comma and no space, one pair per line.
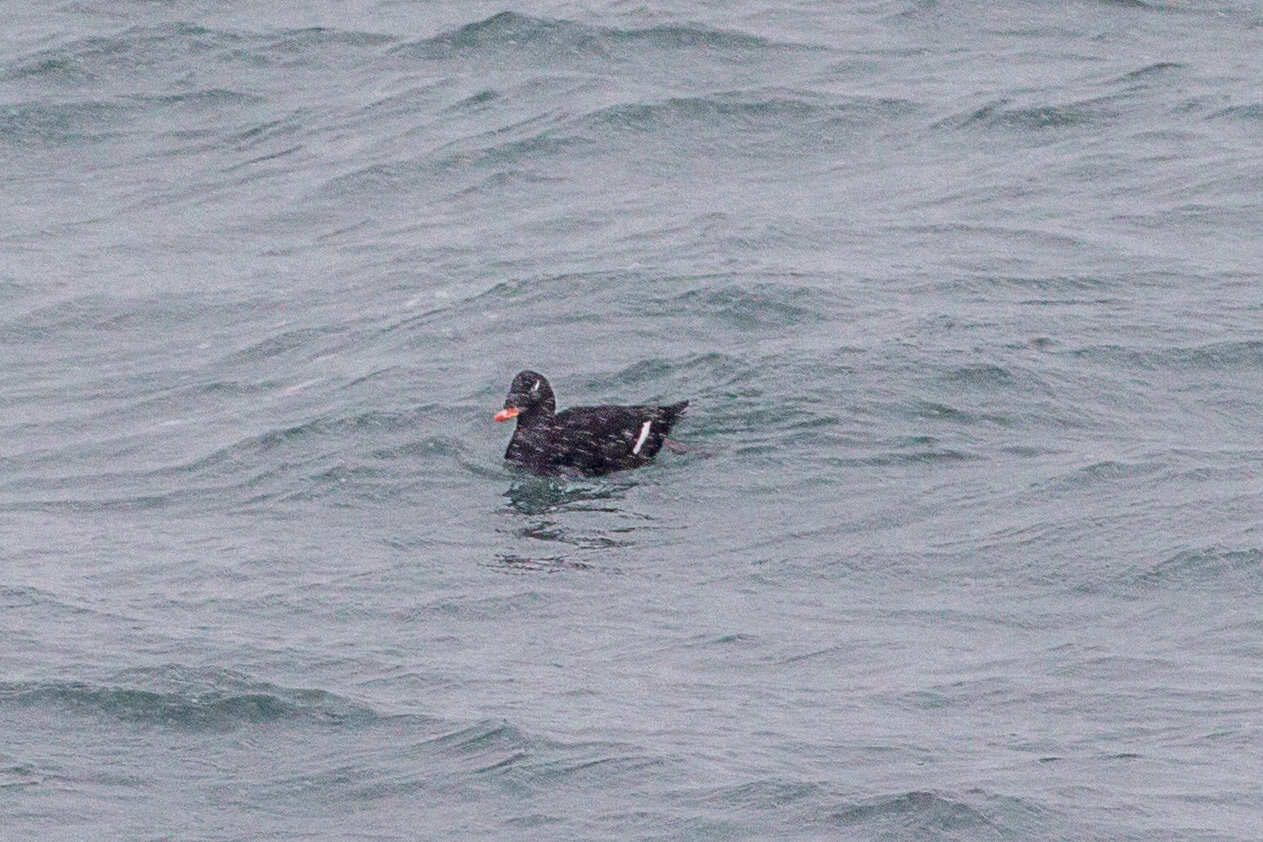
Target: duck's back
594,440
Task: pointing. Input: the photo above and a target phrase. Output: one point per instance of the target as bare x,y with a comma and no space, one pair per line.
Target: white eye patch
535,388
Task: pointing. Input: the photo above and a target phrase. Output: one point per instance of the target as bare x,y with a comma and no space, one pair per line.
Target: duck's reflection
521,564
583,518
543,495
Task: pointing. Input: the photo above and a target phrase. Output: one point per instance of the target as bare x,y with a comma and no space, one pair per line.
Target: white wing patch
644,434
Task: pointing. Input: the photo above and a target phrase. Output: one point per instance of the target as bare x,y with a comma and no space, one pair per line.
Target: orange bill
507,413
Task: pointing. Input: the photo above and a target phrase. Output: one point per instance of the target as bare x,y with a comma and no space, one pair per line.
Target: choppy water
966,299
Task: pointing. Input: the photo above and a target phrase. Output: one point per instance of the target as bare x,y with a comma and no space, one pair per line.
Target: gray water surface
966,301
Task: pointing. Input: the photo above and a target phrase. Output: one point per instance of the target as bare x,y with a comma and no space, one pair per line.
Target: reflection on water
587,517
541,495
510,563
549,530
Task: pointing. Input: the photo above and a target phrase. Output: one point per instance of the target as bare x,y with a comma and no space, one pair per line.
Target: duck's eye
535,388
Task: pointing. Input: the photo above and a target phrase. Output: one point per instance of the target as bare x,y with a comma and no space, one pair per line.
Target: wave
557,40
1252,112
300,462
1003,114
102,57
1210,568
920,814
74,123
746,124
1152,74
741,111
192,700
757,306
46,124
105,59
497,751
1229,356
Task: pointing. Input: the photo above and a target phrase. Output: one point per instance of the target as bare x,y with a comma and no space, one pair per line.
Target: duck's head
529,394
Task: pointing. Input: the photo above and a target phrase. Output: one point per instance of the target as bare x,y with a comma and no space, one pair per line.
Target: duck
585,440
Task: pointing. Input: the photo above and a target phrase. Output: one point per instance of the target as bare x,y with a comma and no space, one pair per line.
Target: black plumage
590,440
